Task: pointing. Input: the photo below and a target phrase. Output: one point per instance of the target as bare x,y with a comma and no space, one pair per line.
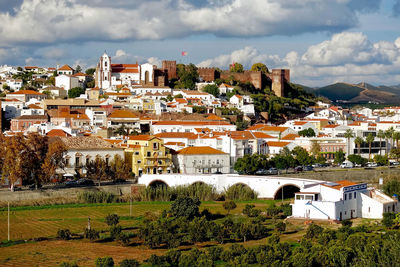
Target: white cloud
346,57
54,21
154,61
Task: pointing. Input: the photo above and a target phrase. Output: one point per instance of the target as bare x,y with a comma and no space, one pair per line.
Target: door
340,216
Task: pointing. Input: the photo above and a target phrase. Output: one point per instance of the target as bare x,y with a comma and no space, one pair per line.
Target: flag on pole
184,53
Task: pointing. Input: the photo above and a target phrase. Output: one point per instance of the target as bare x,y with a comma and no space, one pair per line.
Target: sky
320,41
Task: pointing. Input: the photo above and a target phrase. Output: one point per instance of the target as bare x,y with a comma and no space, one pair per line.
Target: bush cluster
203,192
64,234
97,197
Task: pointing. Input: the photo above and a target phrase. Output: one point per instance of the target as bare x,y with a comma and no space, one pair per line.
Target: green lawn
44,221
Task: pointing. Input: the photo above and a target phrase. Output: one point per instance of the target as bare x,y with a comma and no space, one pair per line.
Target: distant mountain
360,93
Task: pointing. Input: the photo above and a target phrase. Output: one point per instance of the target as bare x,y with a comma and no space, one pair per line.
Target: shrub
129,263
286,209
251,211
115,230
229,205
185,207
240,192
173,256
273,210
112,219
155,260
346,223
388,219
104,262
68,264
123,238
215,252
64,234
97,197
280,227
313,231
91,234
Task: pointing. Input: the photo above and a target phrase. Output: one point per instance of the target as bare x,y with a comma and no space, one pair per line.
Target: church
108,76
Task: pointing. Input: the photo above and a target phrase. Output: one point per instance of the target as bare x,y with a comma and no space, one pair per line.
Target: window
137,153
155,145
355,194
87,161
309,197
217,161
77,161
345,196
350,196
139,161
160,162
107,161
67,162
148,153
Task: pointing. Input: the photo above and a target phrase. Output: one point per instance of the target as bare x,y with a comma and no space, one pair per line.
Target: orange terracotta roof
300,122
57,132
33,106
267,128
174,144
340,184
193,123
26,92
80,74
143,137
199,150
122,114
290,137
65,67
181,100
331,126
277,143
213,117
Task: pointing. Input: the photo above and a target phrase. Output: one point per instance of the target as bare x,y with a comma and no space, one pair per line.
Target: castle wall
169,66
208,74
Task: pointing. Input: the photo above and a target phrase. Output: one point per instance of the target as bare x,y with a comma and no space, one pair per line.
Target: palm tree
396,137
358,141
348,134
388,135
380,135
370,138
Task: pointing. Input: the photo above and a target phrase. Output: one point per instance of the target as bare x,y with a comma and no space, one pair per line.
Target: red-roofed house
26,95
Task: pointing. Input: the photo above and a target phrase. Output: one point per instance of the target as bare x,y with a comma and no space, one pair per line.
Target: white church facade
109,76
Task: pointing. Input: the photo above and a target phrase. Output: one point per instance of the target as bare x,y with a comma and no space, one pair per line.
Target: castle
275,80
109,76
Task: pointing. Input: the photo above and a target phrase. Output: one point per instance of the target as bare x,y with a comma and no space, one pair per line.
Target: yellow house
148,155
148,105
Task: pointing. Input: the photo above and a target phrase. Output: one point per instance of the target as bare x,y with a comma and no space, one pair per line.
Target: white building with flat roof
342,200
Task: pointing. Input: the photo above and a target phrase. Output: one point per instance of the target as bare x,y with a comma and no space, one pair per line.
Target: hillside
360,93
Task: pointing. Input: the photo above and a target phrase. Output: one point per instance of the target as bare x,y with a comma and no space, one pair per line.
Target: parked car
272,171
261,172
316,165
394,163
308,168
372,164
84,181
347,164
71,183
298,169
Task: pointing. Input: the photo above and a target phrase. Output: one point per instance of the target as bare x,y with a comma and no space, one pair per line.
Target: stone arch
288,191
158,183
197,183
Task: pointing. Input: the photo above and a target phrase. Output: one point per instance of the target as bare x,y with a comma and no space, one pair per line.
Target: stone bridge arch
286,191
158,183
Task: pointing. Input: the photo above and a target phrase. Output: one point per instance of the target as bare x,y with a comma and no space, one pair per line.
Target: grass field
44,221
34,222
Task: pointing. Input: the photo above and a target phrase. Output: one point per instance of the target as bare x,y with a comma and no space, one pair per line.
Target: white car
372,164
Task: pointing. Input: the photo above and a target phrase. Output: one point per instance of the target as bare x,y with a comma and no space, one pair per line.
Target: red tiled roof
26,92
340,184
57,132
191,123
65,67
277,143
199,150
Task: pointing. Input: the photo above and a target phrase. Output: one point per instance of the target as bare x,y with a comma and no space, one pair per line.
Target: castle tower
103,72
169,66
279,77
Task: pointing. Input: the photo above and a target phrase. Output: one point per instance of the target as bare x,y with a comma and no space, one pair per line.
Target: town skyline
334,41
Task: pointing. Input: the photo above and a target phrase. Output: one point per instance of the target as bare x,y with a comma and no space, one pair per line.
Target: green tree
112,219
309,132
315,148
129,263
185,207
302,156
392,187
78,69
90,84
388,136
259,67
370,139
119,169
380,135
212,89
359,141
229,205
236,67
395,153
97,169
104,262
339,157
348,135
75,92
396,137
187,76
381,160
6,87
357,159
90,71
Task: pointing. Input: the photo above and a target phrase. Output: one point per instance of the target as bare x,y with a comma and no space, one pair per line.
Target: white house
225,88
342,200
190,126
15,84
67,82
196,160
